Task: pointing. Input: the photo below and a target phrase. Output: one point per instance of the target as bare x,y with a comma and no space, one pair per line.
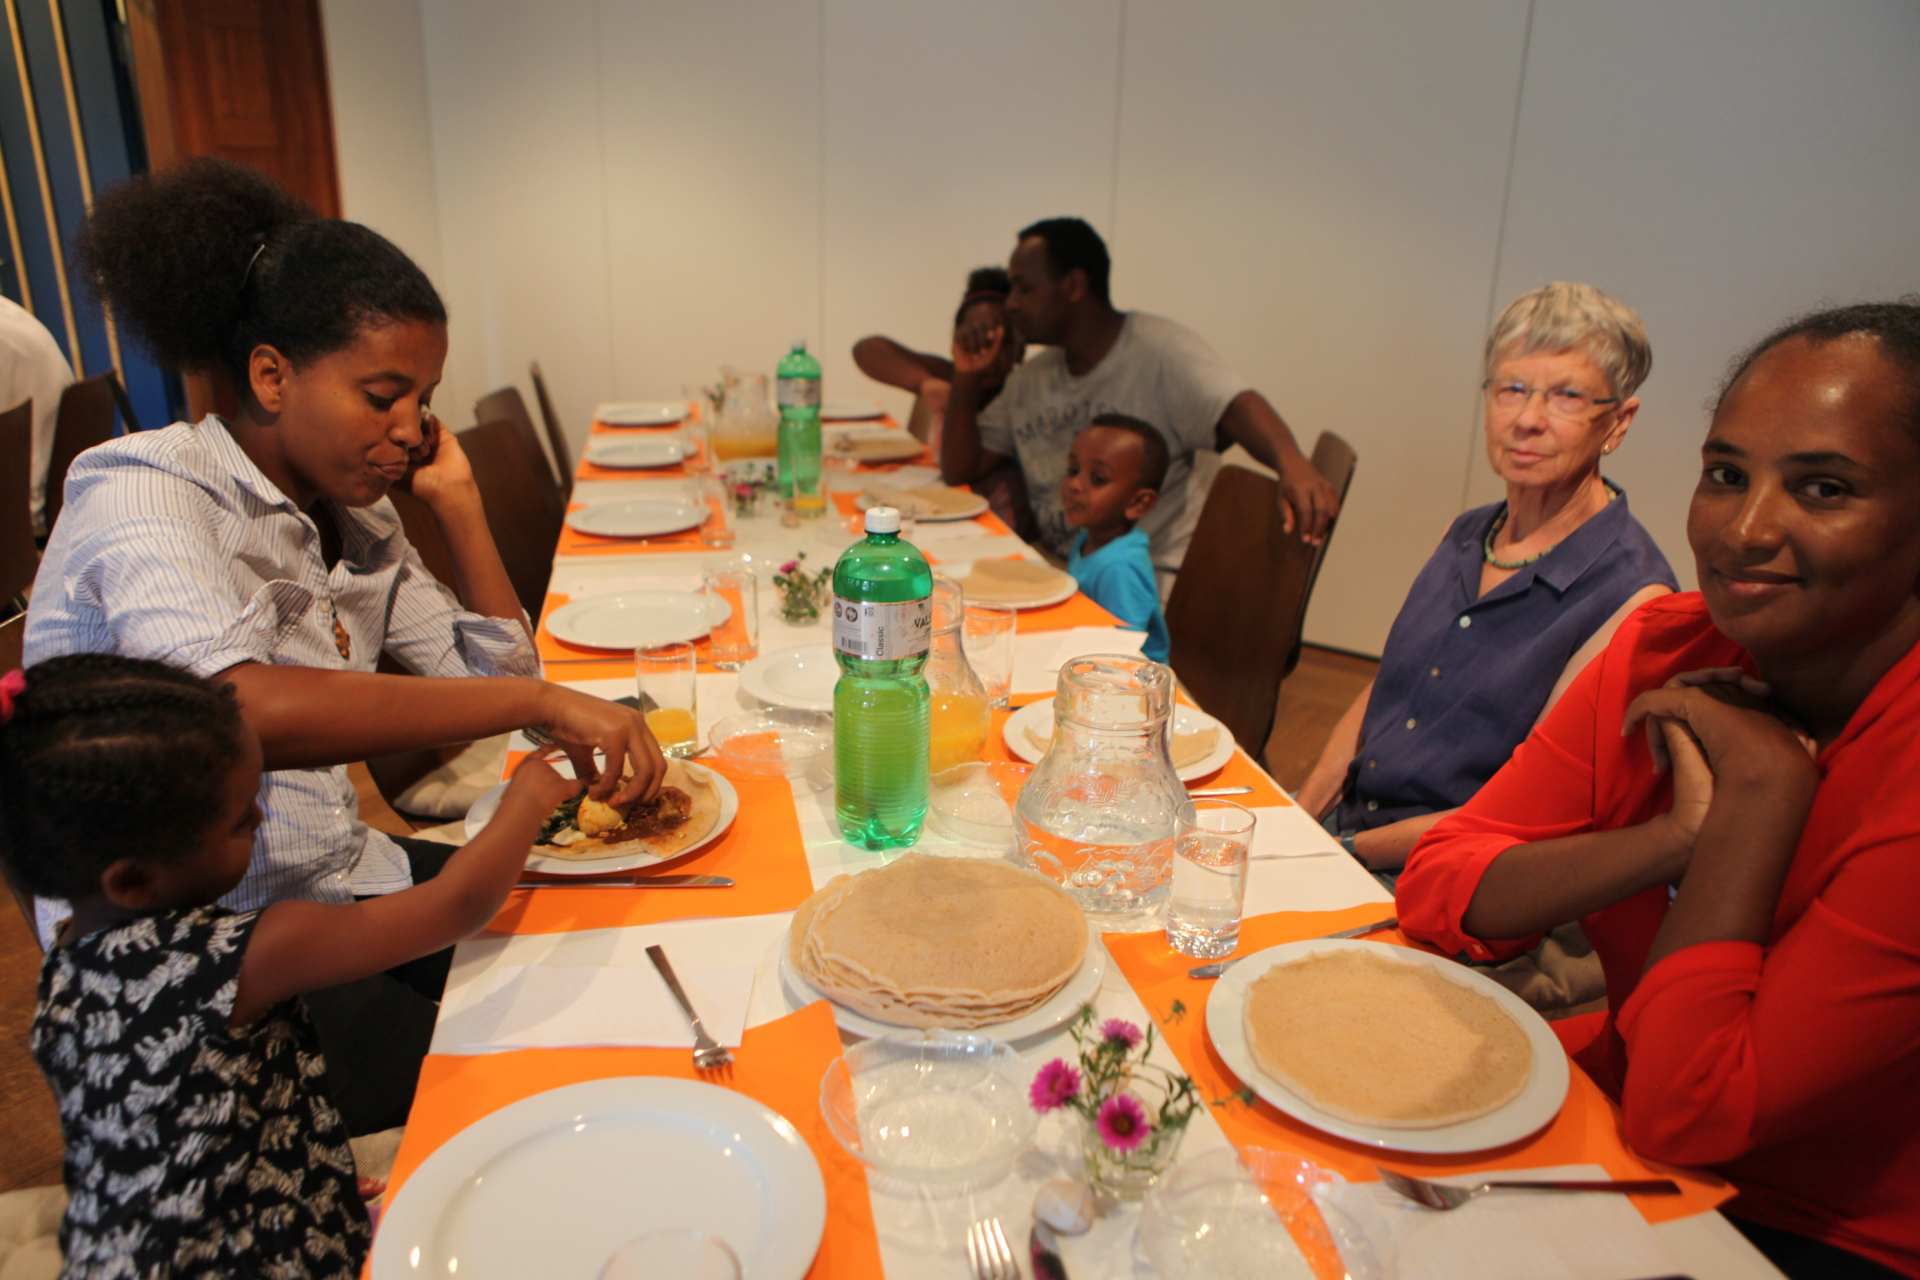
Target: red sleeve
1544,792
1731,1047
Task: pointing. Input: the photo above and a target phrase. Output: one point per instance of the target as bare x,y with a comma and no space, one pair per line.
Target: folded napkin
1037,656
1510,1235
653,582
550,1007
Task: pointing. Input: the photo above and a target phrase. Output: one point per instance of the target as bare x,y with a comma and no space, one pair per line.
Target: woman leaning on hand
261,550
1519,595
1725,799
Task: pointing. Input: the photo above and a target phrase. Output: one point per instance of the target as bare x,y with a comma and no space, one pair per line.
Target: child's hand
541,785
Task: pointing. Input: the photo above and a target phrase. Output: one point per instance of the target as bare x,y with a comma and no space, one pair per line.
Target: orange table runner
1587,1130
762,852
779,1064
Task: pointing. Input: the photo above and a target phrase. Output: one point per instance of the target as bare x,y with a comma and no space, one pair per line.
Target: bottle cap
799,344
883,520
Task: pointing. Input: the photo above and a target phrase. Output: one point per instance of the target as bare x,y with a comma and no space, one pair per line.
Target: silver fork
1437,1195
708,1055
989,1252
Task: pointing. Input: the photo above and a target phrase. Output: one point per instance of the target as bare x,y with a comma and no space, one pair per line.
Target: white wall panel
1719,165
382,131
515,102
1315,189
948,128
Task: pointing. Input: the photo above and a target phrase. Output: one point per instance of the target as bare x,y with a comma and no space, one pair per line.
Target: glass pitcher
960,719
1103,807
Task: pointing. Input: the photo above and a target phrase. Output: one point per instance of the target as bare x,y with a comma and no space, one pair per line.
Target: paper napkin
552,1007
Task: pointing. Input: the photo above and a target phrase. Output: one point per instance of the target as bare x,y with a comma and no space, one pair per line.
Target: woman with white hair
1520,594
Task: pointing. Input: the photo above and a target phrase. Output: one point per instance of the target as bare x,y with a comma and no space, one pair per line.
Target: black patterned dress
192,1151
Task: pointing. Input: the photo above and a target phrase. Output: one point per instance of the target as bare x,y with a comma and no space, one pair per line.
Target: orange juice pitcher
958,714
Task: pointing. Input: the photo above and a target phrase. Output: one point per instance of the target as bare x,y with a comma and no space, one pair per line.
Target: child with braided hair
200,1139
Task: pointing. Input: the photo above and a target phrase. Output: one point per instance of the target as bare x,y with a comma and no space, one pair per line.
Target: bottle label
881,632
798,393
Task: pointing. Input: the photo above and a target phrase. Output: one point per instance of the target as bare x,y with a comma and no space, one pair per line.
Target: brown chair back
85,420
524,506
423,531
19,560
507,405
1235,615
13,634
556,436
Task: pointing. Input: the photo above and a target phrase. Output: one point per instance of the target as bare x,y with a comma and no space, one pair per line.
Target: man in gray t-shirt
1099,360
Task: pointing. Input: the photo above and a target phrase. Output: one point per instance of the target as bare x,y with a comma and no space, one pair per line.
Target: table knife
1219,967
632,882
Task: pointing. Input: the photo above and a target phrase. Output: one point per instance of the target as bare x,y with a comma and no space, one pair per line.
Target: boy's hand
541,785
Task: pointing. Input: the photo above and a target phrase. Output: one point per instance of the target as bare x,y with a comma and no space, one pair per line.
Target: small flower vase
1115,1174
799,603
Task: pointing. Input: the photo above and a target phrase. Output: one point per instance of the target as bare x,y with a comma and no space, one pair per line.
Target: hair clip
12,685
248,273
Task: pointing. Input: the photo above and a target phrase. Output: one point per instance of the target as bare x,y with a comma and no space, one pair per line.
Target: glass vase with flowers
802,593
1132,1113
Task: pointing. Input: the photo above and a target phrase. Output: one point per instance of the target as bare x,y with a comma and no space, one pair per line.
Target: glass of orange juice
666,675
957,730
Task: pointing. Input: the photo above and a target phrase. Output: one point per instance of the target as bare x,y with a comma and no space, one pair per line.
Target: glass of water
1209,880
736,641
990,631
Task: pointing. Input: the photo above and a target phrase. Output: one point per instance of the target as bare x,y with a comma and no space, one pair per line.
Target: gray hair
1565,317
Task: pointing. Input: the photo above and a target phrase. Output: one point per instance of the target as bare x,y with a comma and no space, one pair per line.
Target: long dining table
784,844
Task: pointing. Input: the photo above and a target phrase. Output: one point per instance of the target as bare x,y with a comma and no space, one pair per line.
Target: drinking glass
990,630
735,642
678,1253
665,673
1209,880
710,489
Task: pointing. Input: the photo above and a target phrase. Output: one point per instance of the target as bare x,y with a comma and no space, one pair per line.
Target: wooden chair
19,560
524,506
1235,616
556,435
507,405
13,634
85,420
423,531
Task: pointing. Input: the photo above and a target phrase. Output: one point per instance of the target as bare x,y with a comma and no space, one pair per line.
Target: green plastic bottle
798,394
882,631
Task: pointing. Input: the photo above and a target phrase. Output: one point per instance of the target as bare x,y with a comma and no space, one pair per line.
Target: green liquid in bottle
798,388
882,631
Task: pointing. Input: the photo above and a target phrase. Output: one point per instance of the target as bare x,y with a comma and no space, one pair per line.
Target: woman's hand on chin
438,470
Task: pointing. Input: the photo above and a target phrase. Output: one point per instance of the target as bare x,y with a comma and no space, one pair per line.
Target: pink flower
1054,1087
789,566
1119,1031
1122,1122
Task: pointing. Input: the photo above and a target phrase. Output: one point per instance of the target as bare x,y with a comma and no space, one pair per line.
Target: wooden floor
1311,700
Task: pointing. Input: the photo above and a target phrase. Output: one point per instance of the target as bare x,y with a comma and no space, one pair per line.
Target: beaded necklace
1500,522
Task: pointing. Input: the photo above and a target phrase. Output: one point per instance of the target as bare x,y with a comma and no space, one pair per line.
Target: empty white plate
1038,716
637,619
800,678
850,411
551,1185
636,451
641,413
638,517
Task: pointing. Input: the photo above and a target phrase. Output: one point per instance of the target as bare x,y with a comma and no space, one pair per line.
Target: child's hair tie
12,685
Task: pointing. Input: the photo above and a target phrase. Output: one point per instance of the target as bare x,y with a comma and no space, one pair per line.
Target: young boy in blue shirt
1114,471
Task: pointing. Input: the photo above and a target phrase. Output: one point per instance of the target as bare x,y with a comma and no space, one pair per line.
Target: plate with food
1387,1046
638,517
584,837
641,413
932,503
1020,583
553,1184
940,941
874,444
635,453
637,619
1200,744
800,678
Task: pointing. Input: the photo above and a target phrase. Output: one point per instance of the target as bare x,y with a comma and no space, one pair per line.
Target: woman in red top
1726,799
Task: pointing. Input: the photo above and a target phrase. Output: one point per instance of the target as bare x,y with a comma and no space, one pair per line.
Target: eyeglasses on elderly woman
1562,402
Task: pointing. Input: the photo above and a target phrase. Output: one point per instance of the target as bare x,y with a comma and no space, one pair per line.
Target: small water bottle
882,630
798,394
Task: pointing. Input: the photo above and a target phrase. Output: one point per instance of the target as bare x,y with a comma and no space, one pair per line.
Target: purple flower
1118,1031
789,566
1122,1122
1055,1086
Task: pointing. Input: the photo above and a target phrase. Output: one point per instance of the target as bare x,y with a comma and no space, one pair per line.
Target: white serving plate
551,1185
1081,989
867,501
1039,716
638,517
627,453
637,619
483,810
851,411
1536,1106
800,678
641,413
